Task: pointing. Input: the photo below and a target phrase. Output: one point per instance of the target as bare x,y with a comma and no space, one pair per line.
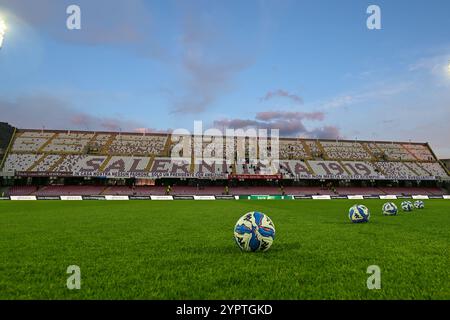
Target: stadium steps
411,169
307,149
381,151
107,191
368,150
105,163
57,163
150,163
409,151
311,171
233,169
37,162
380,170
322,149
49,141
429,173
167,145
91,141
105,148
443,166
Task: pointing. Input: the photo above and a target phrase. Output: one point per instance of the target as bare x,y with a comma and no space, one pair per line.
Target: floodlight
2,31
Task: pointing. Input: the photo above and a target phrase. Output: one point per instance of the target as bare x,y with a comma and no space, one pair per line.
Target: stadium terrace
46,162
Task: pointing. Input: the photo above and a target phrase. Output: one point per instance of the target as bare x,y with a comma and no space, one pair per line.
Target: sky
311,69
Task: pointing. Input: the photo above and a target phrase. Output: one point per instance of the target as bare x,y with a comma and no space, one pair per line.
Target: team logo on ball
407,206
389,209
419,204
254,231
359,213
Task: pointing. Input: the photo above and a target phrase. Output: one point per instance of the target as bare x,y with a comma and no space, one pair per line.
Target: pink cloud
289,124
55,113
283,94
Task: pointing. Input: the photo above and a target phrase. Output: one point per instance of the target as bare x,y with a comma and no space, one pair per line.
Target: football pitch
185,250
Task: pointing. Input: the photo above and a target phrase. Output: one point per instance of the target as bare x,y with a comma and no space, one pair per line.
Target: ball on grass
407,206
254,231
419,204
359,213
389,209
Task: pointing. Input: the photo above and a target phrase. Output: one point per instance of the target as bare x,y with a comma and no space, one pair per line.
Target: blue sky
309,68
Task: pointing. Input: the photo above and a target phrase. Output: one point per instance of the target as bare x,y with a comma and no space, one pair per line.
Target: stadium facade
44,158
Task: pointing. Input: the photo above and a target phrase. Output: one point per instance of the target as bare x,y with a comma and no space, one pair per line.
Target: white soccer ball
389,209
359,213
419,204
254,231
407,206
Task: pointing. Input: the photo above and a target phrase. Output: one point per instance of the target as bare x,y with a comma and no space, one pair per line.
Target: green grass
185,250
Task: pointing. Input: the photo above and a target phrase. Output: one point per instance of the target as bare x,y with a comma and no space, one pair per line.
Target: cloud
376,92
338,102
283,94
437,68
209,63
289,124
36,111
326,132
286,115
122,23
195,49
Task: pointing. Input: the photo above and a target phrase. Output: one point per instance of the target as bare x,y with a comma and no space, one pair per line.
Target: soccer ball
419,204
407,206
359,213
254,231
390,209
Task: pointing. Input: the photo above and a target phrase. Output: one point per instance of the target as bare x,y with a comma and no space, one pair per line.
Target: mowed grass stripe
185,250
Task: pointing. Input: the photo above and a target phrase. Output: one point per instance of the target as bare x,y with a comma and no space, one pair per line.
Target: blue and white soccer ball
419,204
390,209
359,213
407,206
254,231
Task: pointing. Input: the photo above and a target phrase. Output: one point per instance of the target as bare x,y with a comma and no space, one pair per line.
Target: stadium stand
75,155
314,149
45,162
213,167
292,149
80,163
129,144
325,168
294,169
392,151
345,150
19,162
418,169
30,141
80,190
415,191
362,168
21,190
420,152
394,168
434,168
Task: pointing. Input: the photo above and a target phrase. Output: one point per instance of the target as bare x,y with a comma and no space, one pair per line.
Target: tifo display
47,153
